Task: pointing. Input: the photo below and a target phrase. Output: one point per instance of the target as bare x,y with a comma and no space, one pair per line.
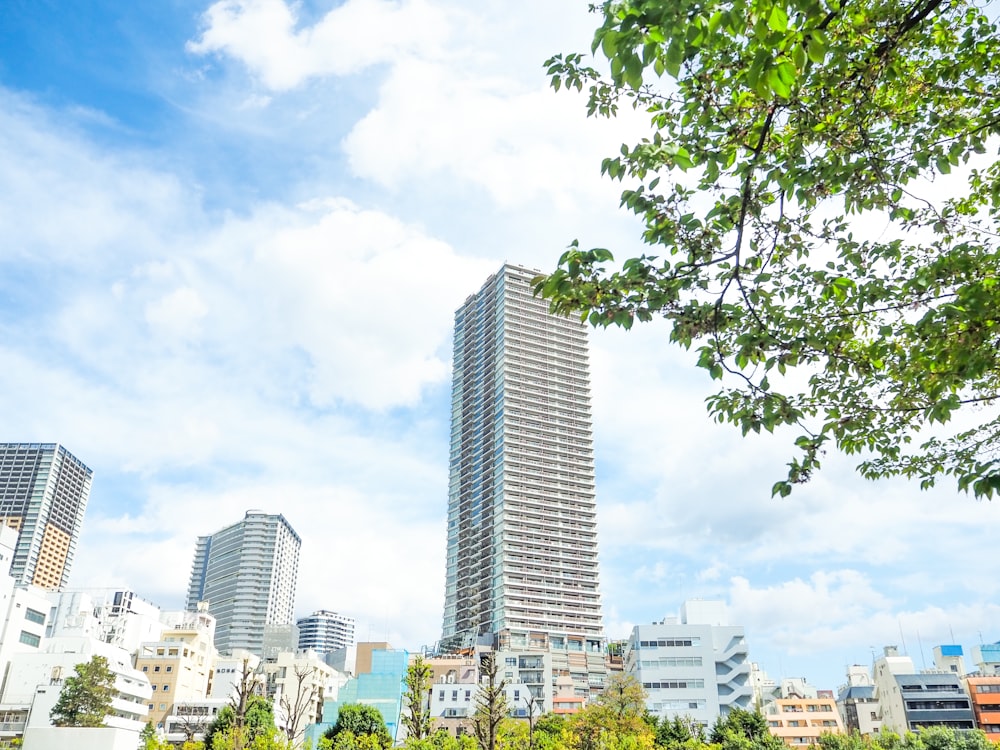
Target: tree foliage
616,719
416,699
229,730
85,699
359,726
824,218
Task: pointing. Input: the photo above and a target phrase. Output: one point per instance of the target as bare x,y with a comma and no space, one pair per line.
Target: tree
361,726
744,730
230,730
416,700
492,708
614,719
85,699
301,705
805,236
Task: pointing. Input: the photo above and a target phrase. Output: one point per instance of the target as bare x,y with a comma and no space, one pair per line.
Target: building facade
247,573
696,665
43,495
985,695
799,722
522,519
324,631
909,700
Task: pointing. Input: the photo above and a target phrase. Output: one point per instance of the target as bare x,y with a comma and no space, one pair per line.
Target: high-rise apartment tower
324,631
522,517
247,573
43,495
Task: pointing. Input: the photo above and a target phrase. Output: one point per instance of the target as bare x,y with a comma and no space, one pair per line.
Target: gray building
43,495
522,519
324,631
247,573
696,665
910,700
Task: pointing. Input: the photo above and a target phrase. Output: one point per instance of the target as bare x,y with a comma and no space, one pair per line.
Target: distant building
43,495
178,665
324,631
799,721
247,572
694,666
910,701
859,710
986,657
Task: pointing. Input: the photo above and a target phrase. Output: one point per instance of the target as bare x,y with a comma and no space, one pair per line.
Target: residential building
43,495
299,683
859,710
799,721
984,692
521,567
35,680
324,631
910,700
247,573
178,664
696,665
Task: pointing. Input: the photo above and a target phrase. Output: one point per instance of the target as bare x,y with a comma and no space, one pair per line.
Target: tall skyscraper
522,516
43,495
247,573
324,631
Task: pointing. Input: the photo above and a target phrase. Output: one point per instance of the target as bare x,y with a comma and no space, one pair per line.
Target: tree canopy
416,700
85,699
257,726
359,726
822,196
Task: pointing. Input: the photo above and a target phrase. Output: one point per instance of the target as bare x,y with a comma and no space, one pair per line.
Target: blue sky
232,239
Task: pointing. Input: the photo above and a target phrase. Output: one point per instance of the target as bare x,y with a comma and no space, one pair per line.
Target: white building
247,573
324,631
696,665
116,616
36,680
298,682
521,567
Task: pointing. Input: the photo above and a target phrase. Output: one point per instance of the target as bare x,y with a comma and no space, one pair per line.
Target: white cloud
267,37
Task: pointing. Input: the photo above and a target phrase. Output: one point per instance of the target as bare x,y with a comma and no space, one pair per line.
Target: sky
233,236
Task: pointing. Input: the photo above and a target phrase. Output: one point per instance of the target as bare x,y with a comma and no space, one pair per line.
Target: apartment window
163,706
454,695
440,695
32,615
170,669
145,667
468,695
166,688
150,706
156,668
29,639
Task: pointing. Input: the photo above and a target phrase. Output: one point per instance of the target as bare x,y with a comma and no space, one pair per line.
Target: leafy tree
416,700
805,238
227,731
744,730
492,708
359,726
615,719
678,732
441,740
85,699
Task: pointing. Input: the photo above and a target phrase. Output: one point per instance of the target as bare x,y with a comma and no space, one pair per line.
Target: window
150,706
32,615
454,695
163,706
156,668
170,669
154,688
145,667
166,688
29,639
468,695
517,695
440,695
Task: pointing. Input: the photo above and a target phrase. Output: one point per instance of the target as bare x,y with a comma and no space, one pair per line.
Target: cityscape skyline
228,281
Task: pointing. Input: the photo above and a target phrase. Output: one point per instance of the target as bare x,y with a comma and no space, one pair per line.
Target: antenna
920,645
901,636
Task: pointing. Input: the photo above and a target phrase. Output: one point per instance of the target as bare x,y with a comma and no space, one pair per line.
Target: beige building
179,665
800,721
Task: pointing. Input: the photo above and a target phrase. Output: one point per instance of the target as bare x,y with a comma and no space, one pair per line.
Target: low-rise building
800,721
856,701
909,700
696,665
984,692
